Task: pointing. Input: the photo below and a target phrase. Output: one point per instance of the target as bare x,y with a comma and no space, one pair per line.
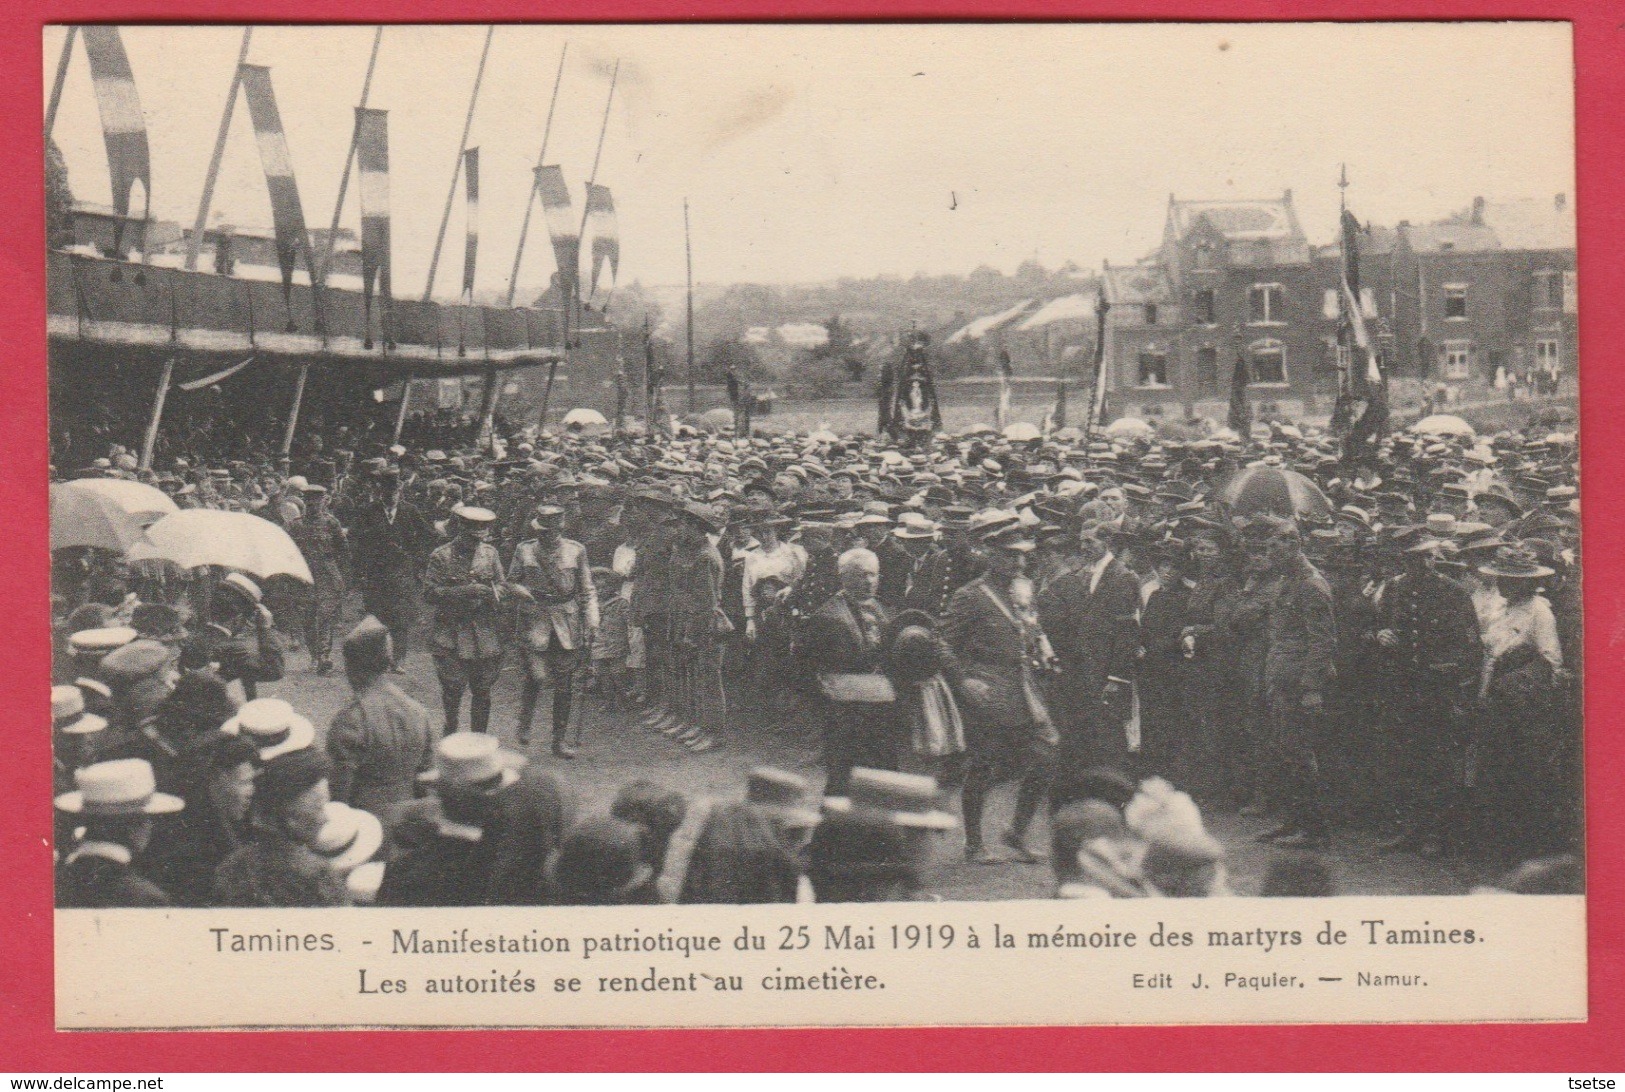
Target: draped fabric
606,240
124,129
561,226
471,249
372,165
287,214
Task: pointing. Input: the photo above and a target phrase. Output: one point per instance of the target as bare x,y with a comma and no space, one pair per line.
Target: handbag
869,689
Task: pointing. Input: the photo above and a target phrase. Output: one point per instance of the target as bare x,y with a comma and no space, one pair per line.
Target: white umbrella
145,502
81,517
1020,431
1126,427
1443,424
822,435
585,417
234,540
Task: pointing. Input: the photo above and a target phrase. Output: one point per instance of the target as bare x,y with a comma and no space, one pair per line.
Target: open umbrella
822,435
1129,428
235,540
1275,491
1021,431
81,517
146,503
583,417
1443,424
716,419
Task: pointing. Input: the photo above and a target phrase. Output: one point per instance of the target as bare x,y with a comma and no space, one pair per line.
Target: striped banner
287,214
471,250
372,166
561,225
124,128
606,238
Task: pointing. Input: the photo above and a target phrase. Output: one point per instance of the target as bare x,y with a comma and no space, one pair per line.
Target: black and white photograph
613,465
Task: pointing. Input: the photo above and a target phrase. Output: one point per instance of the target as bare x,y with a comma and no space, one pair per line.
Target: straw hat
473,762
781,796
1516,562
271,725
68,714
904,800
122,787
349,837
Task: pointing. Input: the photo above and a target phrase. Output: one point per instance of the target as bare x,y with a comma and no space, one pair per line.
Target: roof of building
1251,219
1532,224
987,324
1137,284
1079,305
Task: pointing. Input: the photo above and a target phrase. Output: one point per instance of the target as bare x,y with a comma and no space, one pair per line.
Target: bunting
372,164
606,240
471,250
124,129
561,226
287,214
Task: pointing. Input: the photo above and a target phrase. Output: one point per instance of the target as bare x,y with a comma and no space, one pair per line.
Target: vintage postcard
741,525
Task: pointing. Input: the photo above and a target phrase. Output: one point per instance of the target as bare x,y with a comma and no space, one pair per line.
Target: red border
27,1038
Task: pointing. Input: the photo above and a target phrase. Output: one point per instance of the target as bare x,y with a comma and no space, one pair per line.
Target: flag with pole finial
471,249
124,128
372,164
287,214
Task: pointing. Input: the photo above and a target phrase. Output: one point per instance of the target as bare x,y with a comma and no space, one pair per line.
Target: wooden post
456,171
547,394
195,246
151,438
486,437
688,250
293,413
61,78
400,418
349,158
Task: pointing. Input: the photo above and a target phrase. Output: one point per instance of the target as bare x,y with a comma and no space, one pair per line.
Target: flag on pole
372,163
561,227
124,129
287,214
606,240
1359,337
471,178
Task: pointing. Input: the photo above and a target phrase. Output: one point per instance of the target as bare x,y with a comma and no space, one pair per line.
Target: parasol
1276,491
1020,431
234,540
145,502
582,417
1130,428
82,517
1443,424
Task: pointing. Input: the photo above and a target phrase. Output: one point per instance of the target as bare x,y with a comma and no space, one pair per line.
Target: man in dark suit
389,539
1092,616
841,641
997,651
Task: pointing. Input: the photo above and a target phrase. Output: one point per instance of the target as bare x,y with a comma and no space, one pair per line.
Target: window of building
1458,359
1207,369
1455,301
1150,314
1204,256
1546,355
1153,368
1204,305
1548,290
1265,303
1268,361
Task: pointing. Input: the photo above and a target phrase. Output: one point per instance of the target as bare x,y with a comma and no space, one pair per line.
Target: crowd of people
1109,625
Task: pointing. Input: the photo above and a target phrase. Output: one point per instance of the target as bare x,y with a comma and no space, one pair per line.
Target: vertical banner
372,164
287,214
471,250
606,239
124,129
561,227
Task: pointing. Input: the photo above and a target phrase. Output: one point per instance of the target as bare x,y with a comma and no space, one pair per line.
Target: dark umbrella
1275,491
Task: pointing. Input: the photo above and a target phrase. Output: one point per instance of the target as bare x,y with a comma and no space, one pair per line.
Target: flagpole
150,440
541,161
581,235
194,246
400,417
349,156
457,170
688,249
61,79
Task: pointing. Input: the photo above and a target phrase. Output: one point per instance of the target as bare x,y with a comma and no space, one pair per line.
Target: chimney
1561,201
1478,210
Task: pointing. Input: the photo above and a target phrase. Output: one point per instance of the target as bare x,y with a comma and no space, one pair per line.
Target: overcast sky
812,152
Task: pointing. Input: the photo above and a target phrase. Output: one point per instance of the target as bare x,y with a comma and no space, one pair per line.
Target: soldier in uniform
320,537
465,586
551,573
